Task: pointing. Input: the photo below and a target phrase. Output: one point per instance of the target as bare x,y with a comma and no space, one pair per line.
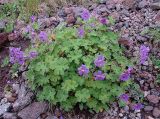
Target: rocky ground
132,18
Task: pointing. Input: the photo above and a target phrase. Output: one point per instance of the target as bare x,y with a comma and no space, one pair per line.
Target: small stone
8,115
11,99
102,1
153,99
70,19
156,112
22,102
120,114
142,4
2,26
149,117
155,6
33,111
148,108
4,108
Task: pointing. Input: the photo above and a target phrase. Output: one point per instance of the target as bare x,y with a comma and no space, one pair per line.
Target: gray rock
4,108
8,115
2,25
155,6
153,99
142,4
148,108
22,102
51,117
102,1
33,111
156,112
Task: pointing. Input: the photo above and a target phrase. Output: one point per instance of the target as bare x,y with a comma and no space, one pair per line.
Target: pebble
156,112
148,108
153,99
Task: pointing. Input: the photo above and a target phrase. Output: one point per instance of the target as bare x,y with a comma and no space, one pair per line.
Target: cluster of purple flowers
124,97
81,32
99,75
103,21
137,106
16,55
43,36
144,51
83,70
33,18
85,15
100,61
33,54
126,75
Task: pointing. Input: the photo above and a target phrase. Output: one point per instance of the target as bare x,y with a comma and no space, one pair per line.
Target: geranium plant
84,65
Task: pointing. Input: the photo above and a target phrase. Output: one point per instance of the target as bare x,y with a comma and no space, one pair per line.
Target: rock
8,115
102,1
4,108
156,112
153,99
68,10
51,117
129,4
115,15
149,117
70,19
2,25
120,115
77,11
16,88
4,38
11,99
142,4
33,111
22,102
155,6
13,36
148,108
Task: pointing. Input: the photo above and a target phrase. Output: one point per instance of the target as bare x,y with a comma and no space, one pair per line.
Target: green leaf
82,95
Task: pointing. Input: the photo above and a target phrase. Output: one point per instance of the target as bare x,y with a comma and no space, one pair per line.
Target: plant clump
84,65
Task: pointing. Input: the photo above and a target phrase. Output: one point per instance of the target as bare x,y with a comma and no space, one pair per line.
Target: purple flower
103,21
61,117
43,36
137,106
144,51
99,75
100,61
126,75
16,55
85,14
81,32
124,97
33,18
83,70
33,54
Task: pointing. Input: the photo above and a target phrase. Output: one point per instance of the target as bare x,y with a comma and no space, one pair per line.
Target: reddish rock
68,10
13,36
125,41
129,3
70,19
156,112
11,99
3,38
153,99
